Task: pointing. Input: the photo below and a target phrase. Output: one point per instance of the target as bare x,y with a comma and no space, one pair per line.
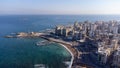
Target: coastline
71,62
66,45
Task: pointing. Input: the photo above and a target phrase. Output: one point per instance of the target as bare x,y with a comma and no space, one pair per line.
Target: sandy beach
68,46
71,62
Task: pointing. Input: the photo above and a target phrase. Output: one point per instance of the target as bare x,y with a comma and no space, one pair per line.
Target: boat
9,36
40,66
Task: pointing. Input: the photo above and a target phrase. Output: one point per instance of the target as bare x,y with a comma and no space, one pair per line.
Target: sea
24,53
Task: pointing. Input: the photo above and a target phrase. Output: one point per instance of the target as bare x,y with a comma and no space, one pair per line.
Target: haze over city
60,7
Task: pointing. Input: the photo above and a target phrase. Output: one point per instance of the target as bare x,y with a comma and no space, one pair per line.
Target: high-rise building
65,32
103,53
58,30
116,58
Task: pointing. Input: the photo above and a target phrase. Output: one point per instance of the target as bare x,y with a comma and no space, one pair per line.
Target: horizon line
59,14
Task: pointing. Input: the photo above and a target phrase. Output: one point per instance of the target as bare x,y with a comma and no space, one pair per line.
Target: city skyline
60,7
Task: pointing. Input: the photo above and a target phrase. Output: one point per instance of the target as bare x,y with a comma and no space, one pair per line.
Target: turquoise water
23,53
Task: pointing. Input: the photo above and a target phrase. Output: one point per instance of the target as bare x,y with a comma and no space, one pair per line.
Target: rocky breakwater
25,35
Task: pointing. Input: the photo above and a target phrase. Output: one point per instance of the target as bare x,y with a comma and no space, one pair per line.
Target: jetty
25,35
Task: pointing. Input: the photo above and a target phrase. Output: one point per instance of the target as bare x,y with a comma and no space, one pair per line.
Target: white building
103,53
116,58
115,29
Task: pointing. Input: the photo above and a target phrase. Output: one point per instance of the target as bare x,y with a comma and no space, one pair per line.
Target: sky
59,6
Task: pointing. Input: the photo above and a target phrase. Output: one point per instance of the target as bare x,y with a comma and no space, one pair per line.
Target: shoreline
66,45
72,59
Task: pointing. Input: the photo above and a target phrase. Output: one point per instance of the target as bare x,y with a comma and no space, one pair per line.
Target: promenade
67,45
74,52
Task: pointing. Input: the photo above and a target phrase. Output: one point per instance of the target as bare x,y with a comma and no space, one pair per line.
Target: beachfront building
58,30
66,32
